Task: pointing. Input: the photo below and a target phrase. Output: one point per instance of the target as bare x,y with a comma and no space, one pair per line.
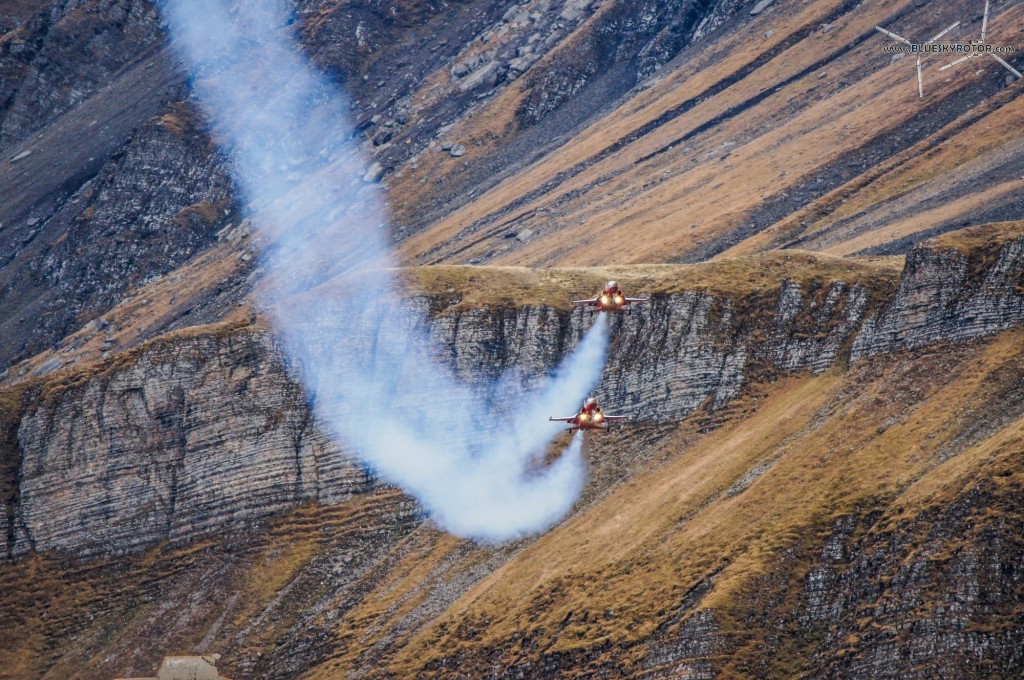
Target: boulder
374,174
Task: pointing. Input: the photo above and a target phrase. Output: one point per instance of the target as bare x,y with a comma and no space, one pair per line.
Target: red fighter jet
590,417
611,300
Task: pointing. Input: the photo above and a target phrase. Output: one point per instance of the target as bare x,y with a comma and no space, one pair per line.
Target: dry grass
205,213
474,287
154,305
684,84
982,130
181,119
640,550
22,10
89,619
980,238
698,192
875,438
959,209
612,578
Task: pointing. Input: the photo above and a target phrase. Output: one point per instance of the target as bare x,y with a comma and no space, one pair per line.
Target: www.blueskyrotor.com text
951,48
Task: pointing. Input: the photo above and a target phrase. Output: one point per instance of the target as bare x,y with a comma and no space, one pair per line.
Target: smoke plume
470,453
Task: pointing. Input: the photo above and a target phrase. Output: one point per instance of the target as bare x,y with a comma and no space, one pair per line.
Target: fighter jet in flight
610,300
590,417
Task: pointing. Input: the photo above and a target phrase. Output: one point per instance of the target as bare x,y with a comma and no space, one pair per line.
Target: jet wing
585,302
638,299
615,417
570,419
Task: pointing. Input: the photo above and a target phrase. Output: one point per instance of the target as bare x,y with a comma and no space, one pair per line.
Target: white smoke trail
470,455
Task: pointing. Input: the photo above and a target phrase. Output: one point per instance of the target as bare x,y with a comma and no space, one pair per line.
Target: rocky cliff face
202,433
189,435
193,433
958,592
949,295
672,355
935,595
205,429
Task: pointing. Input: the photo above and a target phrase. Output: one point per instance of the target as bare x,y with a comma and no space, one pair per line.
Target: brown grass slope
741,516
695,548
793,130
717,529
825,525
66,618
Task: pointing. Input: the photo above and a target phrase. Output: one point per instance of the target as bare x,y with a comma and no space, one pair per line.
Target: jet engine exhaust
469,453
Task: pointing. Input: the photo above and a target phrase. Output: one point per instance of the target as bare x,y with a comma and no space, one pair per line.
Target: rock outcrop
196,432
44,70
949,295
205,429
154,205
189,435
186,668
958,608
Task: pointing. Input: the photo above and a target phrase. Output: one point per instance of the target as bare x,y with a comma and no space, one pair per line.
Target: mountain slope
630,131
775,127
821,474
793,519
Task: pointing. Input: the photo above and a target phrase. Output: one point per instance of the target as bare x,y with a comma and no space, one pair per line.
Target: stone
250,450
457,150
521,64
374,173
573,10
939,298
186,668
485,77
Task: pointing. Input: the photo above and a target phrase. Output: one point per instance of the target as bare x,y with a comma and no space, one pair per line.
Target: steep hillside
793,130
92,103
552,132
821,472
777,505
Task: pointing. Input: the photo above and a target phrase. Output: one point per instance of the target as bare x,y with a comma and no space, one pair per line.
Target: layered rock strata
205,429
